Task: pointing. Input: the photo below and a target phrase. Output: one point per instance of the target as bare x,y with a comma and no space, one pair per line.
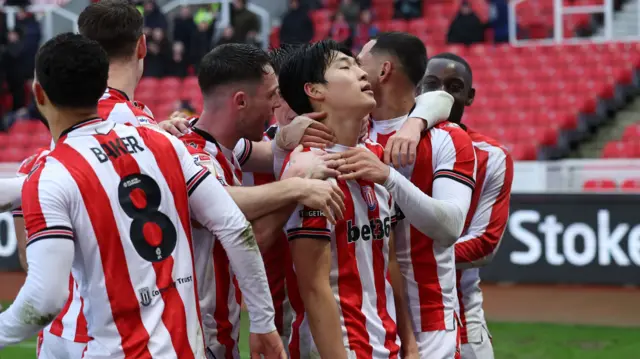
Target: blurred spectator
227,36
499,20
350,10
408,9
184,27
3,28
16,57
365,30
29,28
153,17
201,41
246,24
297,27
466,28
177,64
340,29
158,52
312,4
365,4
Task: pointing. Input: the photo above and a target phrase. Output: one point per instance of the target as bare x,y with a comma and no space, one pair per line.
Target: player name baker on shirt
114,149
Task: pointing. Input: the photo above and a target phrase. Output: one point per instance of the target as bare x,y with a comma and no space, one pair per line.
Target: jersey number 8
152,233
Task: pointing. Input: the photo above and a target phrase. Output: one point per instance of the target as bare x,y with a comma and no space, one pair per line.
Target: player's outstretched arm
50,251
480,243
431,108
440,216
10,192
403,318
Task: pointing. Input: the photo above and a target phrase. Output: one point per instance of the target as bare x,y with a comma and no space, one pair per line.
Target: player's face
347,86
370,65
450,76
284,114
261,106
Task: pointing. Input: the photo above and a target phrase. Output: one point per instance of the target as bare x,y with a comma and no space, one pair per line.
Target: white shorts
53,347
441,344
480,346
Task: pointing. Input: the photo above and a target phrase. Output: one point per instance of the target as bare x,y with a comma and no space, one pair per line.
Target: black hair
458,59
308,65
231,63
280,55
115,24
408,49
72,71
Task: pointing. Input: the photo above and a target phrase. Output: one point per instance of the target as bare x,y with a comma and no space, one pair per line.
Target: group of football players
352,228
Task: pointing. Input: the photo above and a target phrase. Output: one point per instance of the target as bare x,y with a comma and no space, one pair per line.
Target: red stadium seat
600,185
631,185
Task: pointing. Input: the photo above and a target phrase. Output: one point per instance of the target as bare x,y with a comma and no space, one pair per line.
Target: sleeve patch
313,233
51,232
458,177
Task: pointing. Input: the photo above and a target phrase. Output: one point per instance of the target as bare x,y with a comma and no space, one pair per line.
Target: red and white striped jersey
220,297
484,227
115,106
116,191
277,259
445,152
360,257
71,323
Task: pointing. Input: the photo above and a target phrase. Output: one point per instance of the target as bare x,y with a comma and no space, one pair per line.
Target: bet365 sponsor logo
576,243
377,228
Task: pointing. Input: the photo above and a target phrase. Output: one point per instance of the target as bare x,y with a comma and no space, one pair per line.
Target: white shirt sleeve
50,250
216,211
440,216
10,193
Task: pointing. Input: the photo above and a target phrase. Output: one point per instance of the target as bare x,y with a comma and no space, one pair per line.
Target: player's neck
221,126
62,120
123,77
346,127
393,104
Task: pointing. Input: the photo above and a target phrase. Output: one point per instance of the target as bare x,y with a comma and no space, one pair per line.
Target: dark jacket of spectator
153,17
16,58
466,28
177,63
184,27
158,52
29,28
499,20
201,42
246,24
297,26
351,11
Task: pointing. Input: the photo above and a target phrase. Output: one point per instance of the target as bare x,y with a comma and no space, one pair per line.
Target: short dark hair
115,24
408,49
308,65
72,71
230,63
458,59
280,55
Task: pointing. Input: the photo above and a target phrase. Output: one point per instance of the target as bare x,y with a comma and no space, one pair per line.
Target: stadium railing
225,20
560,11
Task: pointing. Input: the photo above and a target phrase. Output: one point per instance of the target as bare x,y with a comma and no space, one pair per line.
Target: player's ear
141,47
240,100
38,93
314,91
385,71
471,97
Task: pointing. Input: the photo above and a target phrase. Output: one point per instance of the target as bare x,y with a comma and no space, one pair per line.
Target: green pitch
511,341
